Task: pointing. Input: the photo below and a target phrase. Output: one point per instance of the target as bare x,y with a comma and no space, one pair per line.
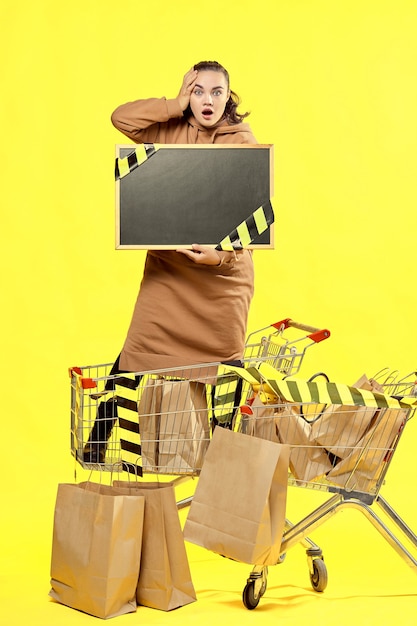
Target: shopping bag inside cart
173,426
361,469
340,427
347,443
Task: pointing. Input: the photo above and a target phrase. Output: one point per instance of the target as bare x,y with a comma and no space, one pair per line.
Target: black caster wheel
254,590
318,576
250,599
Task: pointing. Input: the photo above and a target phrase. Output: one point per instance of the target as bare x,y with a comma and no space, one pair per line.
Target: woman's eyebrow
201,87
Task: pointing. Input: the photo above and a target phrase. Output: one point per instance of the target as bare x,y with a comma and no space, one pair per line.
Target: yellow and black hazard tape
334,393
224,397
125,165
249,229
321,392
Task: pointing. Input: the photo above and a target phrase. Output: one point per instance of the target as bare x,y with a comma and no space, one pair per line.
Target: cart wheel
250,600
318,577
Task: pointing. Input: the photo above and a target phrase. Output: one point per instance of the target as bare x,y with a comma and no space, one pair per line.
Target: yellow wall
332,84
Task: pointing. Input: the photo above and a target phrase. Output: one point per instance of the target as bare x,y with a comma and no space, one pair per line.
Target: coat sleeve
140,120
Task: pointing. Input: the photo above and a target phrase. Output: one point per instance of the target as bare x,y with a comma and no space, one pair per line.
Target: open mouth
207,113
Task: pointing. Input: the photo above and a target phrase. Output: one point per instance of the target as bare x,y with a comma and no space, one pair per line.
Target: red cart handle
316,335
86,383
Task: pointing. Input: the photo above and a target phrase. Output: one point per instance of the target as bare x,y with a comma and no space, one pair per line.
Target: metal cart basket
177,408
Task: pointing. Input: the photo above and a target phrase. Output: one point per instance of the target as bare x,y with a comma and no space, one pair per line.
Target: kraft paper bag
238,509
174,426
259,421
165,579
308,461
362,468
96,547
341,427
149,407
284,424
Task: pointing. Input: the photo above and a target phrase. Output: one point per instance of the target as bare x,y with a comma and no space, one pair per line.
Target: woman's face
209,96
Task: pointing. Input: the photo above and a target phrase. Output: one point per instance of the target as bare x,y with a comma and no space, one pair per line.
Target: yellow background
332,84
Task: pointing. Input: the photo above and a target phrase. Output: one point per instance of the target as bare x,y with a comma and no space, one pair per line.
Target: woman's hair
230,111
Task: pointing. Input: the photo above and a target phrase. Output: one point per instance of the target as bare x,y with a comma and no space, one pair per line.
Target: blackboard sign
171,196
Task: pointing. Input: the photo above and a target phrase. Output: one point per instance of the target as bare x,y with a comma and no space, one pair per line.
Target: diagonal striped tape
224,398
320,392
249,229
125,165
127,410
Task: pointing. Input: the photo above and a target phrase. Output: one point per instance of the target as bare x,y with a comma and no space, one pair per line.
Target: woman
193,304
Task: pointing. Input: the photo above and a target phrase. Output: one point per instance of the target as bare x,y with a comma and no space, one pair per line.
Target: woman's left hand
203,255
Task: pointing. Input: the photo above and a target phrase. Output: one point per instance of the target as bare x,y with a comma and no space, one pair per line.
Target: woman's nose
208,99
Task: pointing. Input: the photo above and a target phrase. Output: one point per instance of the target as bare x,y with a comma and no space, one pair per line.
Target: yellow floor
368,581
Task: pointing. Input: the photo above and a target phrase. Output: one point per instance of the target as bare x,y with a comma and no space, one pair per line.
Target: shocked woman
193,304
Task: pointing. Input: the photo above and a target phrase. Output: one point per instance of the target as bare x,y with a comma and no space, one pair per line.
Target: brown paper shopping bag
165,579
258,420
340,427
238,509
96,548
284,424
307,460
174,426
362,468
149,408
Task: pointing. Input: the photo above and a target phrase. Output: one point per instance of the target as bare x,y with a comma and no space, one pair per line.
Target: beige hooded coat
185,313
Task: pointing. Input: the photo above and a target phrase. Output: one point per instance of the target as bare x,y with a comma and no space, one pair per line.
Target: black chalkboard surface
185,194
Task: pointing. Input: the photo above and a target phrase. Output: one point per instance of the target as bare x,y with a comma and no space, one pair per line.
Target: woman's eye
217,92
198,92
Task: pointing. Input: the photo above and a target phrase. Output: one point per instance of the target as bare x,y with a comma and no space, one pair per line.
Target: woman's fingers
186,88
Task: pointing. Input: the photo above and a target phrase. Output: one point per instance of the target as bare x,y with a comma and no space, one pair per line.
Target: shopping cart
106,434
342,442
161,422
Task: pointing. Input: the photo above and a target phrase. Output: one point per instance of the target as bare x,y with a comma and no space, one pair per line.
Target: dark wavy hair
231,113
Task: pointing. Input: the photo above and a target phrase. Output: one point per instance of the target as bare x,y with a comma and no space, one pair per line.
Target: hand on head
187,88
